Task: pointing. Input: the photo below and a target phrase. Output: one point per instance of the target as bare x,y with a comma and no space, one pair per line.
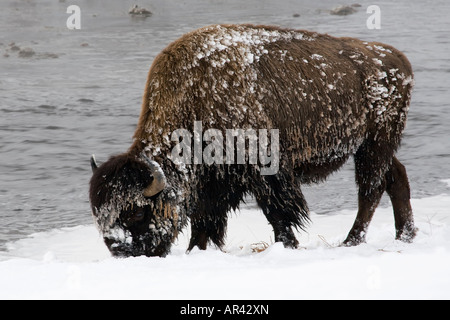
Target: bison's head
133,206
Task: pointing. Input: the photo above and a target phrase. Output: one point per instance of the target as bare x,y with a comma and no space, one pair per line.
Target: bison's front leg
282,228
283,204
216,197
208,226
400,194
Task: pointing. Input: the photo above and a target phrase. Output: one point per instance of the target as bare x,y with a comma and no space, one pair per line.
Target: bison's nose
118,249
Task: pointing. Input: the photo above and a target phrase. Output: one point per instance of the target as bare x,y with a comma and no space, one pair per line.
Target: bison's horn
94,164
159,179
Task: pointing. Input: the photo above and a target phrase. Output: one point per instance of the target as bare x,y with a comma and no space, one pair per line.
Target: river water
65,94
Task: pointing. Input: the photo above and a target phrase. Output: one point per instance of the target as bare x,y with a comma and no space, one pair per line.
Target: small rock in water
142,12
14,47
48,55
343,10
26,53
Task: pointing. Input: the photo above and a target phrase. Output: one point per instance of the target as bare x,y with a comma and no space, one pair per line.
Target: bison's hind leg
377,170
372,160
284,206
397,186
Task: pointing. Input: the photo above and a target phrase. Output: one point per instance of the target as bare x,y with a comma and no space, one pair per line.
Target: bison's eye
133,215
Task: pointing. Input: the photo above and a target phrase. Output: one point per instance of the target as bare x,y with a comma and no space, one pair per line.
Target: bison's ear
159,179
94,164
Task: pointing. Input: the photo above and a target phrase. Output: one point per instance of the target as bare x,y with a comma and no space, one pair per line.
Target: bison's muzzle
132,206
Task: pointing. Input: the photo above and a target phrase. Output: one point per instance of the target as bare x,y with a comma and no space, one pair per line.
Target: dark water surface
78,92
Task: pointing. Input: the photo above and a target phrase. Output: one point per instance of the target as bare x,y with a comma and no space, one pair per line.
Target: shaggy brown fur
329,97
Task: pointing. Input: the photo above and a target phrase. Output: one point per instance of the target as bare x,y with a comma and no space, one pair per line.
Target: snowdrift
73,263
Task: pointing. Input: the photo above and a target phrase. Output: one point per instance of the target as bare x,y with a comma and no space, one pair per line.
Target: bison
329,98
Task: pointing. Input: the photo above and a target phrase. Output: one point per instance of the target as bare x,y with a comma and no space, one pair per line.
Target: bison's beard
151,234
155,242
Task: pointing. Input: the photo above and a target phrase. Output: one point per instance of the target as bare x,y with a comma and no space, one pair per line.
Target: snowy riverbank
73,263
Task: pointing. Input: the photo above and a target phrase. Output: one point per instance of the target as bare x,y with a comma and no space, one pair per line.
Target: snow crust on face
162,228
161,231
119,234
123,199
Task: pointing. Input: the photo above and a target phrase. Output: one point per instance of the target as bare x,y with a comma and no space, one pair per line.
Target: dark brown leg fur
219,194
205,231
282,202
396,184
371,161
367,204
399,192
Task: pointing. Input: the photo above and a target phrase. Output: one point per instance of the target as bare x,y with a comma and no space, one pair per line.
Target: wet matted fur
330,98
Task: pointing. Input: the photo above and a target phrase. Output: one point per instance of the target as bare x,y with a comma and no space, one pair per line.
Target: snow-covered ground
80,93
73,263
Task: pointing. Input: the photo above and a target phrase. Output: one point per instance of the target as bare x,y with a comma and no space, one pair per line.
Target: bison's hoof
291,244
407,234
352,241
